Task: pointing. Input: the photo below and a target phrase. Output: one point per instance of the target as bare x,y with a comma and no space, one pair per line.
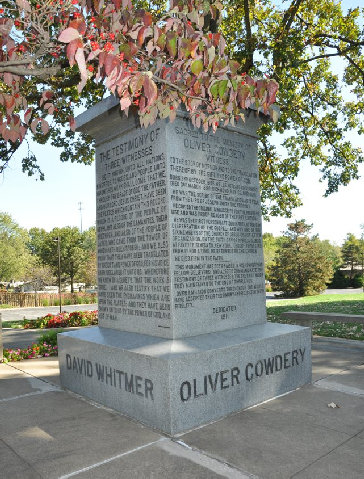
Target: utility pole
58,240
362,255
80,209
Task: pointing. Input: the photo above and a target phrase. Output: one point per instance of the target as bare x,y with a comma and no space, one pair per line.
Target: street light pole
59,272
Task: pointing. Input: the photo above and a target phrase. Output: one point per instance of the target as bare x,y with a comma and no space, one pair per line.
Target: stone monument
183,338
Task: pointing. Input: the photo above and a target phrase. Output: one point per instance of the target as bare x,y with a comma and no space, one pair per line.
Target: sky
55,201
332,217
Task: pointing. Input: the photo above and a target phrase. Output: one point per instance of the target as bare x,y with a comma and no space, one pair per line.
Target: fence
30,300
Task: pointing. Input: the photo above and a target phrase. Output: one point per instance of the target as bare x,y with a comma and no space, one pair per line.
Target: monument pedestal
183,337
176,385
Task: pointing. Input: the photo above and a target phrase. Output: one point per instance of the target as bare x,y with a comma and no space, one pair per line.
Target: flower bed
63,320
39,350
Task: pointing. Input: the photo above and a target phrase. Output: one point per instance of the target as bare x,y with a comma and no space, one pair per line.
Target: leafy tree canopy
271,245
304,45
302,266
352,252
73,253
157,60
14,255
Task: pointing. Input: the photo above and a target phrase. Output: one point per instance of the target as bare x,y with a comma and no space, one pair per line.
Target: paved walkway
47,432
22,338
18,314
275,294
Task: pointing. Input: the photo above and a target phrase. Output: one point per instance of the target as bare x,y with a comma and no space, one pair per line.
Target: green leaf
197,67
171,43
161,42
222,87
214,89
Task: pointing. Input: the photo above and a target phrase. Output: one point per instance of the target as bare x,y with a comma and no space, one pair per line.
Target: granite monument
182,338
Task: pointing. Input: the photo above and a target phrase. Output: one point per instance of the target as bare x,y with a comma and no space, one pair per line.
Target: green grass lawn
328,303
12,324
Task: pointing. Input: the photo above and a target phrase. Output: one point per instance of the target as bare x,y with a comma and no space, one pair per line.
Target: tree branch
339,37
361,71
327,55
249,43
270,166
286,25
175,87
24,61
290,14
42,73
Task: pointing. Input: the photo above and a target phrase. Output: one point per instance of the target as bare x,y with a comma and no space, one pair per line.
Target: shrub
339,280
45,302
357,281
50,337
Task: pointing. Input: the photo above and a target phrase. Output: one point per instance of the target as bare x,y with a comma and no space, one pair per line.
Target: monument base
176,385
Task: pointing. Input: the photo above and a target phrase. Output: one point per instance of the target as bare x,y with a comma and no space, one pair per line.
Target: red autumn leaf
111,62
34,125
142,104
9,102
44,126
249,80
216,39
8,78
150,90
102,58
79,24
272,88
81,62
27,115
68,35
49,107
125,103
147,19
141,36
72,49
5,26
22,132
72,123
16,120
46,95
13,135
261,88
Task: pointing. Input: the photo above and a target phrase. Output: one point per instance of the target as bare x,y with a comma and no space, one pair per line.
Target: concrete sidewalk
18,314
46,432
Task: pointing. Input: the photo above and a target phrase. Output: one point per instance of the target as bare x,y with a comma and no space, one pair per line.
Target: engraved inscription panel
132,226
217,257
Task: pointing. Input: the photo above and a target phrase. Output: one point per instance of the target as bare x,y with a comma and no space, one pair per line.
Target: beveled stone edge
170,349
